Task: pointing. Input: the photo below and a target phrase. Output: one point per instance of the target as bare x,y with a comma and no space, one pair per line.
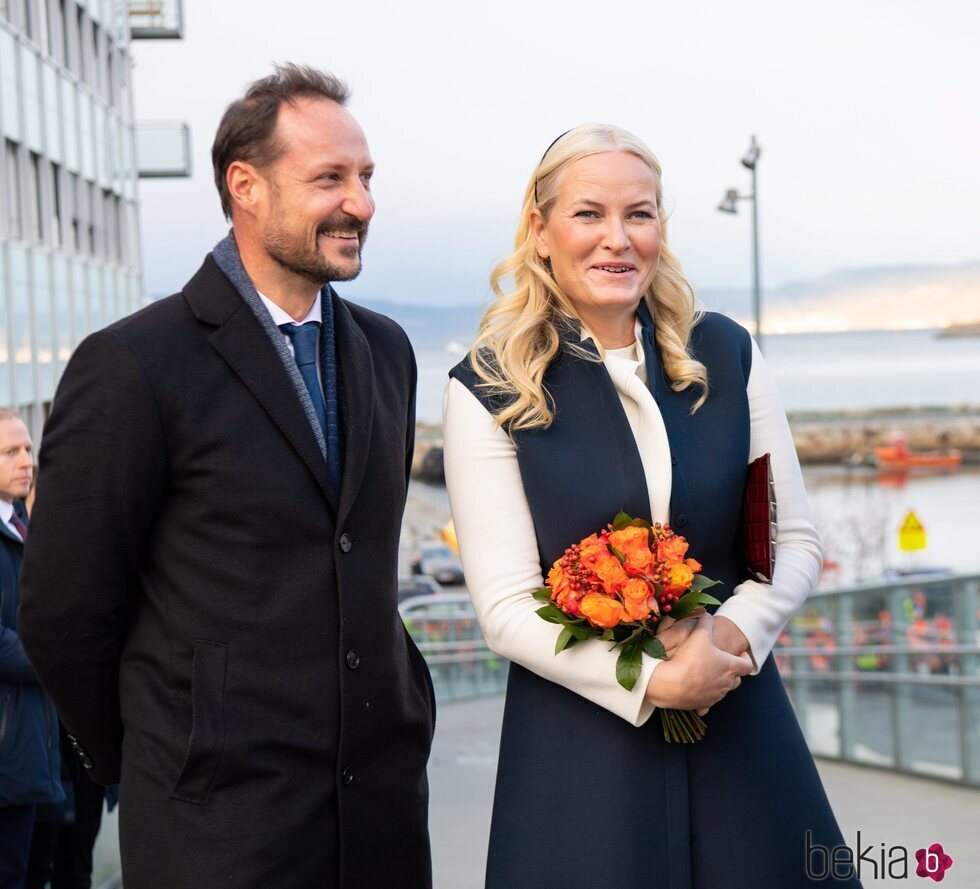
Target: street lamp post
730,205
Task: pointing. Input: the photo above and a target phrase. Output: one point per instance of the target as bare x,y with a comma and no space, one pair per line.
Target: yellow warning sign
911,535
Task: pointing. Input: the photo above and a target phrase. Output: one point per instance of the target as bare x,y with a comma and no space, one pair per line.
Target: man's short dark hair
248,126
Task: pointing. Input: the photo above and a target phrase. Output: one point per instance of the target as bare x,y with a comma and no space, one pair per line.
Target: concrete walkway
885,807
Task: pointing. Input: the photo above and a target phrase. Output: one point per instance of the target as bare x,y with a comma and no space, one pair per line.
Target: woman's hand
728,637
673,633
699,674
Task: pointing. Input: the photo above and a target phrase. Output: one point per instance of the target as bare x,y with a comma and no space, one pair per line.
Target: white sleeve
760,610
500,559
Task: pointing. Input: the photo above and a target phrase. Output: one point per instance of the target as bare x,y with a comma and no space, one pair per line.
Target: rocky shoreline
825,437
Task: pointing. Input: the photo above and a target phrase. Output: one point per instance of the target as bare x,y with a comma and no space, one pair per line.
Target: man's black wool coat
219,629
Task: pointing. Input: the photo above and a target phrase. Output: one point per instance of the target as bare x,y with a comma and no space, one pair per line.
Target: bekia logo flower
933,862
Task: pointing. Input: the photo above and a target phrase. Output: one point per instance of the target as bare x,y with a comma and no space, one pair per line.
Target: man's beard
308,262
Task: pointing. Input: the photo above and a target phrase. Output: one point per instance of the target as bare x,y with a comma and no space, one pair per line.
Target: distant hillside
896,298
908,297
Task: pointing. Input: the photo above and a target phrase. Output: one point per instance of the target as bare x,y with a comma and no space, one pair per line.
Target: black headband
543,156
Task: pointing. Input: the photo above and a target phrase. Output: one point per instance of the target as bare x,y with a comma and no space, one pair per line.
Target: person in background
30,763
64,833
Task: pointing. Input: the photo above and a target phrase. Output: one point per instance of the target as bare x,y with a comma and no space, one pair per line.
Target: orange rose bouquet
617,585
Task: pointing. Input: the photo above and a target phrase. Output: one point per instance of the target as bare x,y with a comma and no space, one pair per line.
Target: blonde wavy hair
519,334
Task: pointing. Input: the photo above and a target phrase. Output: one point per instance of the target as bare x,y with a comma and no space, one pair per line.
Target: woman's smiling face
602,236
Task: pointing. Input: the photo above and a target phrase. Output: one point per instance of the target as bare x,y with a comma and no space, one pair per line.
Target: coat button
681,521
347,776
353,659
345,542
673,461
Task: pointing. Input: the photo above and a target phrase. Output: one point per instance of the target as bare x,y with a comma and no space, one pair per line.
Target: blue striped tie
305,345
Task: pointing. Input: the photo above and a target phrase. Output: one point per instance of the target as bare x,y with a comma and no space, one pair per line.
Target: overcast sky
866,111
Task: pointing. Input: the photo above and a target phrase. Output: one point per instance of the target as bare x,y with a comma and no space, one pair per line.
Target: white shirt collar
7,513
280,316
624,364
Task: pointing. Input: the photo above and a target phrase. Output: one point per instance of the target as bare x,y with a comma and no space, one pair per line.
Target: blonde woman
595,386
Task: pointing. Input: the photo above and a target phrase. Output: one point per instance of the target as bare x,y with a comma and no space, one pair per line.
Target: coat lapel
357,401
240,340
6,532
675,408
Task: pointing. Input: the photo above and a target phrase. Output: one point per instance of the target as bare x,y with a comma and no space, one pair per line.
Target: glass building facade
69,232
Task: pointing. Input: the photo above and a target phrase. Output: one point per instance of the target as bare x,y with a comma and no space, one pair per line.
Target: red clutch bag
758,528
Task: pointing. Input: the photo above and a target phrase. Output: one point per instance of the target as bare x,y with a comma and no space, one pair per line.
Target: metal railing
889,675
446,631
885,675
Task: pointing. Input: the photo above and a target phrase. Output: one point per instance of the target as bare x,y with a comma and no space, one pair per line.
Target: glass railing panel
889,675
871,735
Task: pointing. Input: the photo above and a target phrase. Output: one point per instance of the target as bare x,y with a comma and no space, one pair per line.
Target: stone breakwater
852,436
820,437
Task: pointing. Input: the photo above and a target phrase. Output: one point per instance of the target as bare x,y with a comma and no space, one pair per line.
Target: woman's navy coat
584,799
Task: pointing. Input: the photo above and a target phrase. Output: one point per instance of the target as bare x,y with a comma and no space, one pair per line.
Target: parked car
417,585
437,560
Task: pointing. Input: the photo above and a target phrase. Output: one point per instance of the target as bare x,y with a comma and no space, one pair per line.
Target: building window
28,19
56,205
15,215
90,217
56,25
109,240
117,217
75,195
96,71
39,16
78,43
36,202
112,76
66,30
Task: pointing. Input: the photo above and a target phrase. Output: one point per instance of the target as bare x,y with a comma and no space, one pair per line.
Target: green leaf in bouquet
622,520
621,632
629,665
580,629
553,614
608,635
703,583
689,601
543,595
566,639
627,633
654,648
636,634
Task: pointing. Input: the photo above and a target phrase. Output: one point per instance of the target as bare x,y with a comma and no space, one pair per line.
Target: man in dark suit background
30,763
210,591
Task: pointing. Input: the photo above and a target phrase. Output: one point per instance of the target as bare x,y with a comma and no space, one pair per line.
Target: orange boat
898,456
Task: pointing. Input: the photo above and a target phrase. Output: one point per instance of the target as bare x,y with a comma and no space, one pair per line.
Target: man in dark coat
30,763
210,592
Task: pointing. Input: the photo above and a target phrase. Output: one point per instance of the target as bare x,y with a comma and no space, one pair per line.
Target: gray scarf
229,261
